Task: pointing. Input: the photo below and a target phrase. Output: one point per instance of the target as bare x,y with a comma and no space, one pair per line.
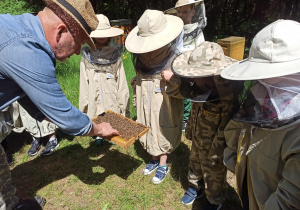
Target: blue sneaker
99,140
160,174
150,167
191,195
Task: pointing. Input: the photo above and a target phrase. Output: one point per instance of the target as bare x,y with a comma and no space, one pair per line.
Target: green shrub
15,7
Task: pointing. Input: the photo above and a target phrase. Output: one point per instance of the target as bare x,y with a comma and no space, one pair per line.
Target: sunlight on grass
83,175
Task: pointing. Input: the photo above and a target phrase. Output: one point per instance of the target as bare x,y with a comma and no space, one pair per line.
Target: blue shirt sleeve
31,64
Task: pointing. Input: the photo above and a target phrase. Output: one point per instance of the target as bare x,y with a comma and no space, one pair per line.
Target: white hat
206,60
275,52
182,3
104,29
153,31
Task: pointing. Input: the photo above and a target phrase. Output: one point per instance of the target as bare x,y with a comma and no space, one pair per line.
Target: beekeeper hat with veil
271,96
193,15
108,51
152,42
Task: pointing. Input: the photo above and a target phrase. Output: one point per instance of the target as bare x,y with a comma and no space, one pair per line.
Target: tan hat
104,29
153,31
206,60
182,3
275,52
82,12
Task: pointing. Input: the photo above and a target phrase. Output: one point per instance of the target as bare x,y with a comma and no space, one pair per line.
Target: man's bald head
62,32
56,14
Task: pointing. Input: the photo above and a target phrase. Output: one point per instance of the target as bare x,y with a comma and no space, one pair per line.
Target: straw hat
275,52
206,60
153,31
104,29
82,12
182,3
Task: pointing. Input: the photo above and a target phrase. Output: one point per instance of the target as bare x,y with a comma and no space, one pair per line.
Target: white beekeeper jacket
102,88
160,107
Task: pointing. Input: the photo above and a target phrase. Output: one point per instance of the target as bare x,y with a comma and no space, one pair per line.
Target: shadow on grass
232,201
91,165
141,152
16,141
61,135
177,160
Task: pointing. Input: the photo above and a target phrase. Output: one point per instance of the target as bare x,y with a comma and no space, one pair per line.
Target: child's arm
167,75
133,85
172,83
122,91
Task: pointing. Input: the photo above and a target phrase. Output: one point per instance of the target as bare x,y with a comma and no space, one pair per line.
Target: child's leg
162,170
163,160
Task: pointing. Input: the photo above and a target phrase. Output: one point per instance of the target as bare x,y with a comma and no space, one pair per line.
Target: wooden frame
122,142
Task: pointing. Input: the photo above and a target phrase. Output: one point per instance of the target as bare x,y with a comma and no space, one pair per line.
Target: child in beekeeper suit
103,84
263,139
154,49
213,102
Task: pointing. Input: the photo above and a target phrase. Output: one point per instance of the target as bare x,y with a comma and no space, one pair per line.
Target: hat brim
173,10
111,32
196,72
89,41
136,43
251,70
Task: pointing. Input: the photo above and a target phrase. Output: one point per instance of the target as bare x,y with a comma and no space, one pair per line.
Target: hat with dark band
82,12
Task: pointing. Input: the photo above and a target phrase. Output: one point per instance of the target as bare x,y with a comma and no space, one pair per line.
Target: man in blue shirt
29,48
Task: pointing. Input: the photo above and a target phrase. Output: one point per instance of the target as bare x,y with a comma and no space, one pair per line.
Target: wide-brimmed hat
153,31
82,12
275,52
182,3
104,29
206,60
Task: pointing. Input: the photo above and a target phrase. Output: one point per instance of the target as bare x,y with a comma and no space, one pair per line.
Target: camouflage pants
7,191
206,129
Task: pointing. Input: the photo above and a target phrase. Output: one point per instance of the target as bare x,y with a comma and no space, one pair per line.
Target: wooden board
122,142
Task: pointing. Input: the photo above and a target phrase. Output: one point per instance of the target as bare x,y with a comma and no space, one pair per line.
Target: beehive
126,137
233,47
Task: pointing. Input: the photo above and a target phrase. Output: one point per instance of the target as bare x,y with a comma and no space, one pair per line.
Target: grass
82,175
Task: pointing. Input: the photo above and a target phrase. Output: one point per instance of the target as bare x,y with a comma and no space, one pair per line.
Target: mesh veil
107,55
272,102
154,62
199,22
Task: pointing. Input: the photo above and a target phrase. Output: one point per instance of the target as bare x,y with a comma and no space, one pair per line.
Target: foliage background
81,175
225,17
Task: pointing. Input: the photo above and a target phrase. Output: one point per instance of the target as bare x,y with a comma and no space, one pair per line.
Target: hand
104,130
167,75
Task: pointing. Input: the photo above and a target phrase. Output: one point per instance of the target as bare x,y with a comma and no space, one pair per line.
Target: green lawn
82,175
